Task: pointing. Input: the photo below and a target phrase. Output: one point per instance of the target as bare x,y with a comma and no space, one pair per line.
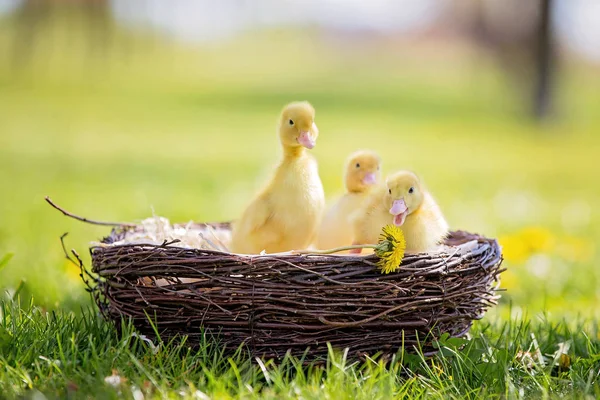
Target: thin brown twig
87,220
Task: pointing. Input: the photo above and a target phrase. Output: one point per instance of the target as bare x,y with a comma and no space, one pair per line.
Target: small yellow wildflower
518,247
513,249
437,369
390,249
537,239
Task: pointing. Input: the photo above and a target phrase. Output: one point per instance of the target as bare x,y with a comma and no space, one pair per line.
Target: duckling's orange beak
370,179
306,140
399,211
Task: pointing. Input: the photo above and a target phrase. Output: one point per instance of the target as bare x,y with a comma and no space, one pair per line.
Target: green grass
189,133
68,355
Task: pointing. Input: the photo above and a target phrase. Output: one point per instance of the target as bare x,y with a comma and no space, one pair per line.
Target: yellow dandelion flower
537,239
513,249
518,247
390,249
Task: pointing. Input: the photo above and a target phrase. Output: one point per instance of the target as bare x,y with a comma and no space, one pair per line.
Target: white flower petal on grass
201,395
137,393
154,347
50,361
115,380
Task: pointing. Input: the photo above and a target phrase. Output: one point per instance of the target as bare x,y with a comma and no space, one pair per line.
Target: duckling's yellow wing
257,215
251,233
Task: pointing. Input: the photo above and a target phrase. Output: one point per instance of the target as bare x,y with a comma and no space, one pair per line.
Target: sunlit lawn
189,134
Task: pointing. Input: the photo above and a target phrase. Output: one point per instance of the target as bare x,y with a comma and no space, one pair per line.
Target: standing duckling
403,202
362,173
285,214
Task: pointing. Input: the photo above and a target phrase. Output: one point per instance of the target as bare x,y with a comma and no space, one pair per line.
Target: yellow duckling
403,202
362,173
285,214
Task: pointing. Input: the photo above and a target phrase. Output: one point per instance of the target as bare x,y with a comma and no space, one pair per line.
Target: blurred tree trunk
519,35
28,18
35,18
544,62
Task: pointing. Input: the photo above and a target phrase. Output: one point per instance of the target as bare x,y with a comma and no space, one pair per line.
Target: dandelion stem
337,249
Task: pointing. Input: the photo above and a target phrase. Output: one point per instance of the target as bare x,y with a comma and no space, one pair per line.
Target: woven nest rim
288,302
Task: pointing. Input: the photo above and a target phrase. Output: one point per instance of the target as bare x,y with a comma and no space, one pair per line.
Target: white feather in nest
157,230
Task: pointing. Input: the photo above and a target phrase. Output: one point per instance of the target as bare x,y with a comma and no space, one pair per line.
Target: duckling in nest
404,202
362,174
284,215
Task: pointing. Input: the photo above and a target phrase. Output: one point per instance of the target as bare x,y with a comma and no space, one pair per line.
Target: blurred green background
117,117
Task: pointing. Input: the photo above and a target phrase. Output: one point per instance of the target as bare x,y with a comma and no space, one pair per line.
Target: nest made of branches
274,304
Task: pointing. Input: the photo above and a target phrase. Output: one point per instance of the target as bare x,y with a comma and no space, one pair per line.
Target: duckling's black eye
390,191
412,189
357,165
291,122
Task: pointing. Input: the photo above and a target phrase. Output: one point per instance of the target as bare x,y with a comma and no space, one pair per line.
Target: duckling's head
362,170
404,195
297,125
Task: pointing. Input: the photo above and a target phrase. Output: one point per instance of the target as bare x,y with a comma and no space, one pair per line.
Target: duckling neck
353,187
290,152
416,212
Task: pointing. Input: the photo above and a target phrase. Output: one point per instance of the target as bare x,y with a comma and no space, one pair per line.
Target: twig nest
275,303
